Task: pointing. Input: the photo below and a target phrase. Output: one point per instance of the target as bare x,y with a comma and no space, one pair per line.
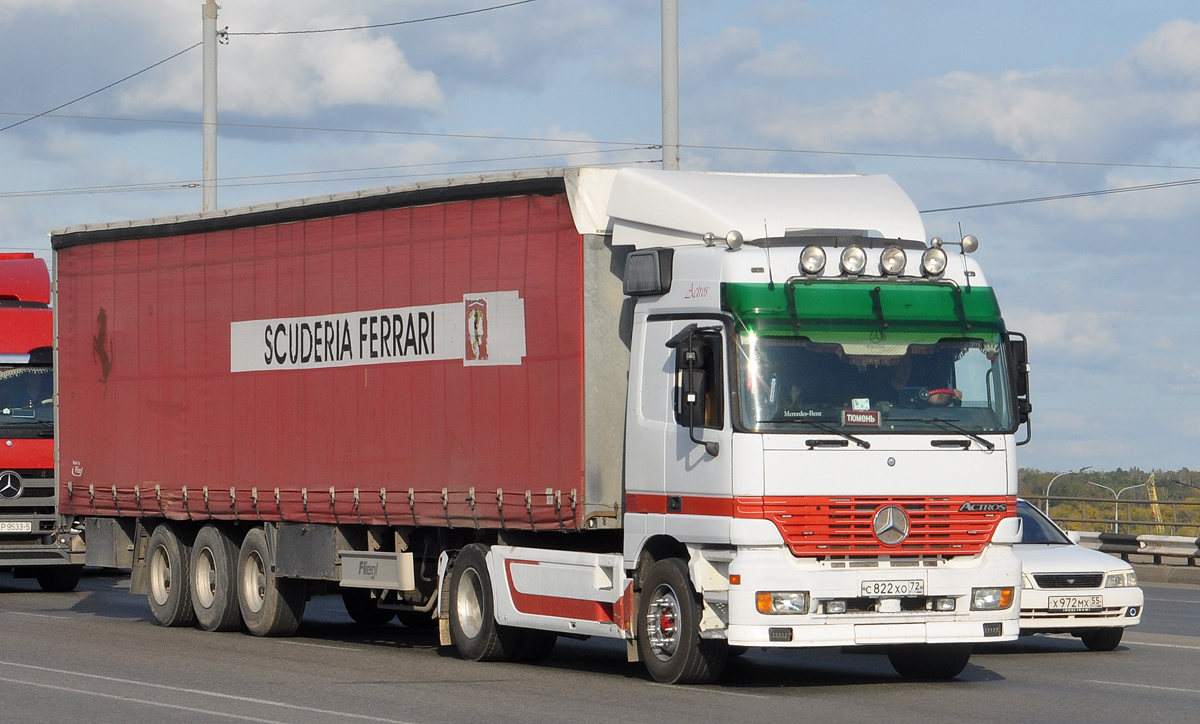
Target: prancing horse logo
10,485
890,525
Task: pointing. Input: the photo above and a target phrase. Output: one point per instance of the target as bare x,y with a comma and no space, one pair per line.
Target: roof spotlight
933,261
812,259
854,260
892,261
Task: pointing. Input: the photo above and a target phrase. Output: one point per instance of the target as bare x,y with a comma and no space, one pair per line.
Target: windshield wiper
827,428
946,424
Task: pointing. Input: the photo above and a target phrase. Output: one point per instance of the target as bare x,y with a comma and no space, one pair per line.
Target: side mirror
1074,537
1018,355
691,384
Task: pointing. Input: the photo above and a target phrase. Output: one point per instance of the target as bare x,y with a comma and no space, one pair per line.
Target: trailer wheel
929,661
533,646
669,629
473,627
417,620
214,574
1098,639
271,606
58,579
363,608
167,562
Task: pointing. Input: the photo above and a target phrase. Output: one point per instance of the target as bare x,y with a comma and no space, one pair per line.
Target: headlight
933,262
892,261
1025,582
782,602
812,259
1121,579
854,260
991,599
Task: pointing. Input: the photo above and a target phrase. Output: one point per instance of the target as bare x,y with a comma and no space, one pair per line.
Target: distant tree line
1178,494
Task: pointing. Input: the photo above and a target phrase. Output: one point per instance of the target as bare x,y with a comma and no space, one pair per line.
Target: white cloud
1079,334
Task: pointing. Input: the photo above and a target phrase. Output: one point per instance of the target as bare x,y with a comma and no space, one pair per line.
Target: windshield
26,399
1037,528
862,384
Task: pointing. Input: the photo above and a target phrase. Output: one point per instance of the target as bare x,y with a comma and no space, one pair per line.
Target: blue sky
1103,286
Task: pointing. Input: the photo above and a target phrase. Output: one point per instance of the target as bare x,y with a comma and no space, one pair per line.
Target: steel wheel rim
469,603
662,623
204,580
254,582
160,575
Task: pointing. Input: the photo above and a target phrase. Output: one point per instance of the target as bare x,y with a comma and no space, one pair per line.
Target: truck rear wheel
473,627
363,608
929,661
669,629
58,579
167,562
214,589
271,606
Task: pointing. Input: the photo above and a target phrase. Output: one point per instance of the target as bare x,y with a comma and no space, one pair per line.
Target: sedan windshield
855,383
1037,528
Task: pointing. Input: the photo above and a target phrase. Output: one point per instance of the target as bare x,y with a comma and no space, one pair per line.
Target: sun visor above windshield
673,208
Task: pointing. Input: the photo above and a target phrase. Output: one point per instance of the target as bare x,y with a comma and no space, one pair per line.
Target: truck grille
842,527
38,490
1068,580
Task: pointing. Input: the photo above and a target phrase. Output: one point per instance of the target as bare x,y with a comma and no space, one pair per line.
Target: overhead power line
388,25
1078,195
99,90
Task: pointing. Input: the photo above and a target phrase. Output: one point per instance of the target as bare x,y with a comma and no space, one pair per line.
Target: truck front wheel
271,606
929,661
669,632
58,579
473,627
167,562
214,573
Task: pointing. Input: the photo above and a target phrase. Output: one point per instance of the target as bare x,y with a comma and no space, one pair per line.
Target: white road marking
1169,600
690,689
1165,646
200,692
38,615
1147,686
316,646
147,702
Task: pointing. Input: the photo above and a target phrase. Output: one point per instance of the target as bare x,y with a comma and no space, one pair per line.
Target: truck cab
32,541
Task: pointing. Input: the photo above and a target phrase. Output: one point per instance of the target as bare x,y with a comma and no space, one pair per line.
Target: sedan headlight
1121,579
1025,582
991,599
782,602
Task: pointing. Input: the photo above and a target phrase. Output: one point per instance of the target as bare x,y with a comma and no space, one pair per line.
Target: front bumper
1121,607
900,621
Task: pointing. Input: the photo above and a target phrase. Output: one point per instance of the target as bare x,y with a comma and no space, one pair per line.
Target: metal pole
670,84
209,13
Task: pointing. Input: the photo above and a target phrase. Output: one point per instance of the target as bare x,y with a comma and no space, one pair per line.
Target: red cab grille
838,527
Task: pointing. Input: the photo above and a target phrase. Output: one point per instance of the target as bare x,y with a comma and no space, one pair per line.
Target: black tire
1102,639
58,579
417,620
167,558
214,580
668,629
929,662
271,606
473,627
533,646
363,608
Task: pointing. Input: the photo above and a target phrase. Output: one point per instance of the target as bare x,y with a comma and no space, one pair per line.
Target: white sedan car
1071,589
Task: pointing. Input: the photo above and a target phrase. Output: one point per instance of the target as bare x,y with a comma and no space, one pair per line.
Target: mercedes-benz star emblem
890,525
10,485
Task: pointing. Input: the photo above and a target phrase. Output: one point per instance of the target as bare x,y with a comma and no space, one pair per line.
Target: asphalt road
93,656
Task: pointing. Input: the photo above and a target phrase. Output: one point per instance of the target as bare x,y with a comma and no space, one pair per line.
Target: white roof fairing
650,207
